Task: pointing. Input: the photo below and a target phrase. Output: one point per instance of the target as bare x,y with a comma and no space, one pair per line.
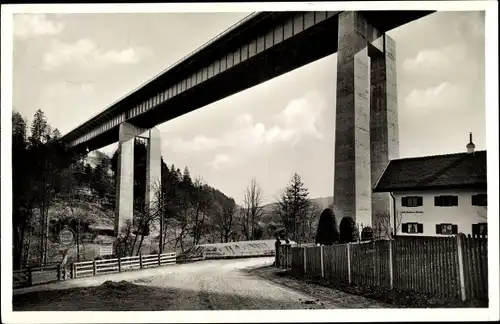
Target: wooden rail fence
98,267
448,267
36,275
240,254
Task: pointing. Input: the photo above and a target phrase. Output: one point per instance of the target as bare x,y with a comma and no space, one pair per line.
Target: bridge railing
98,267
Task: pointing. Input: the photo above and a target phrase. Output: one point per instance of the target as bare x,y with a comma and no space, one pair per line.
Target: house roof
449,171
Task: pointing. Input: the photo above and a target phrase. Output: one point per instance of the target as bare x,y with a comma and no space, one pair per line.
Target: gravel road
204,285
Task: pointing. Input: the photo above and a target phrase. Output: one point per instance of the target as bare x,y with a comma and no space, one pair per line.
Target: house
437,195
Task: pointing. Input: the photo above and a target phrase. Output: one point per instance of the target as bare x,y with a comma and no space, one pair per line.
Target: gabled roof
449,171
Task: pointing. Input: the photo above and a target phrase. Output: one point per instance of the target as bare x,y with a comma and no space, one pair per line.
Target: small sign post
66,239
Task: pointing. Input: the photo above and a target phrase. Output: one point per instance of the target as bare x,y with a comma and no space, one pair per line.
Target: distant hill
270,217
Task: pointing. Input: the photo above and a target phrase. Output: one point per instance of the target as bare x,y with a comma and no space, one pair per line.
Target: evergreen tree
328,232
348,230
293,206
56,134
38,128
186,176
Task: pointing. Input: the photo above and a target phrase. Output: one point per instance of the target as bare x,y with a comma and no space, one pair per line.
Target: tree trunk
140,244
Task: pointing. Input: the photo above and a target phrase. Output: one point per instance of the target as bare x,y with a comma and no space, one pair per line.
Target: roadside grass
393,297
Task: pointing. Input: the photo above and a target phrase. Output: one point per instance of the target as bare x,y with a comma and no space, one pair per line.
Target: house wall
463,215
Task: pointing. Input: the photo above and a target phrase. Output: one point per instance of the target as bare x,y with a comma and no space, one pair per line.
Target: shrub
348,230
328,232
367,233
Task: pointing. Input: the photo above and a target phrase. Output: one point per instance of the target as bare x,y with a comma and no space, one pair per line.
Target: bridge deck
283,41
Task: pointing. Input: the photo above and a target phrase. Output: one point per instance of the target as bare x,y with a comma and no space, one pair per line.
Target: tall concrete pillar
153,168
384,133
125,175
354,174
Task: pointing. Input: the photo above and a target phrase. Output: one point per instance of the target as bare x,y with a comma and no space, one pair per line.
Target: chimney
470,147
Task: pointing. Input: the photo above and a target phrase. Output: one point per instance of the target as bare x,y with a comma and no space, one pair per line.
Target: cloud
436,59
221,160
441,96
300,118
32,25
85,52
68,89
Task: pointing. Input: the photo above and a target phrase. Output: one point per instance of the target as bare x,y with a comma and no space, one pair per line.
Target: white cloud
436,59
442,96
32,25
221,160
85,52
67,90
300,118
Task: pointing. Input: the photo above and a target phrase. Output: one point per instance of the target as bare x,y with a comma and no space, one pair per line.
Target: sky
73,66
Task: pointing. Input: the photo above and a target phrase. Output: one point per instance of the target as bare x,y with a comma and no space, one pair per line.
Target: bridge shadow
126,296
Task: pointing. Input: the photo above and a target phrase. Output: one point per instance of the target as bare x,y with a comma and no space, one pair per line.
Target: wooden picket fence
448,267
98,267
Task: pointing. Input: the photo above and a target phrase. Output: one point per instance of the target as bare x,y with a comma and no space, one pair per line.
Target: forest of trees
186,211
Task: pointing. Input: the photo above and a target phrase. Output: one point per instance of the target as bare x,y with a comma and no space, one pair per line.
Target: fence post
73,270
95,268
349,261
140,260
159,259
391,274
305,260
119,264
461,267
58,272
321,258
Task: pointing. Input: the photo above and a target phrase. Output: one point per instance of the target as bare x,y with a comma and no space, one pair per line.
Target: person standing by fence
277,245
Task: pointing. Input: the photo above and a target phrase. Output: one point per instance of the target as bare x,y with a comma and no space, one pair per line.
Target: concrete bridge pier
366,133
125,169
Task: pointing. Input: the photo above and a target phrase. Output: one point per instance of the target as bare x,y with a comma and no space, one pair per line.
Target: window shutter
420,201
454,229
474,200
404,227
404,201
455,200
438,228
420,228
437,201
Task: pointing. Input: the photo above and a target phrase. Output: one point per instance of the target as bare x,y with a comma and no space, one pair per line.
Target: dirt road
205,285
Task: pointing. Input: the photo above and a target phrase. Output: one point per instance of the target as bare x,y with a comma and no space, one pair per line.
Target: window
411,201
479,200
446,201
412,228
446,229
480,229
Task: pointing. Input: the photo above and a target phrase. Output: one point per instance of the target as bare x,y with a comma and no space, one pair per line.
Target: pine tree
56,134
186,176
38,128
293,206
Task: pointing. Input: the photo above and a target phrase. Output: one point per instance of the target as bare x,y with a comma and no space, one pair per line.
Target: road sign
66,237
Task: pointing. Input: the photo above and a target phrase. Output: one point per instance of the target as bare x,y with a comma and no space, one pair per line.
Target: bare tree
200,204
181,224
124,243
383,226
252,208
225,220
